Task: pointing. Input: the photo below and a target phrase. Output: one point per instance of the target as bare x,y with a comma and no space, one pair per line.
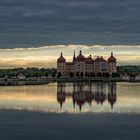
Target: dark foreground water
51,126
71,111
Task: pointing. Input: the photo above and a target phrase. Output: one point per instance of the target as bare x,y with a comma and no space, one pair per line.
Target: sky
34,32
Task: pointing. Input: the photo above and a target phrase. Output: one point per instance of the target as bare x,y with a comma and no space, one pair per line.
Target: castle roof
111,58
61,59
100,59
80,57
89,60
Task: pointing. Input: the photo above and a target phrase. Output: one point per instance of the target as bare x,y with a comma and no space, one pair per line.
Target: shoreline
41,81
68,113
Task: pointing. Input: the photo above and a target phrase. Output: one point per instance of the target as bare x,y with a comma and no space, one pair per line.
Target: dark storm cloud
30,23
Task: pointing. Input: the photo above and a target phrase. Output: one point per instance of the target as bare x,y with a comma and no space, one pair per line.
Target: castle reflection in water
83,93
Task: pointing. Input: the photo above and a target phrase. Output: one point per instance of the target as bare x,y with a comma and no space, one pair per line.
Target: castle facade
82,66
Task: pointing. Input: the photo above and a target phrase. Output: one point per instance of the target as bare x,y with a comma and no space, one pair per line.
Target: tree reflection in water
87,92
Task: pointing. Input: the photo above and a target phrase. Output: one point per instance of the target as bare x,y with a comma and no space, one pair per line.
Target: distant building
137,77
85,67
21,76
125,76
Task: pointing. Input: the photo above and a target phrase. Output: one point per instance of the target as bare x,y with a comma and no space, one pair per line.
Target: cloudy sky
34,32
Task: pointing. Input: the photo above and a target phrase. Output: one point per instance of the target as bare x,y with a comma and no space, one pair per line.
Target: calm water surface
73,97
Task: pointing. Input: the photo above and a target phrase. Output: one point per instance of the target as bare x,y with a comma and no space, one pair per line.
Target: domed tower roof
89,60
80,57
111,59
61,59
100,59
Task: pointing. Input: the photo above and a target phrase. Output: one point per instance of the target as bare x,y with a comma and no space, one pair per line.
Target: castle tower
74,58
80,65
112,68
61,63
89,66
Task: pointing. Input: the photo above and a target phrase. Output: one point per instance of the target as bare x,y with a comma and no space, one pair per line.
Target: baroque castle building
82,66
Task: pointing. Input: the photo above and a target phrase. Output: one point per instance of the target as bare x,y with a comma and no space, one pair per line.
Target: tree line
28,72
39,72
131,70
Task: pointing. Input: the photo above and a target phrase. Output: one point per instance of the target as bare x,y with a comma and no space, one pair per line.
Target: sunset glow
46,56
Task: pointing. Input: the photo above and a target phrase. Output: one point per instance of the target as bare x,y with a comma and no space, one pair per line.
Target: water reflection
73,97
83,93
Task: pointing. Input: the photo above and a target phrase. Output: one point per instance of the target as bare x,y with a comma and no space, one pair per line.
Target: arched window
59,74
77,74
71,74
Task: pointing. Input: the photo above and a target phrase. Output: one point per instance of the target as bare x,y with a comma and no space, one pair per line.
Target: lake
80,97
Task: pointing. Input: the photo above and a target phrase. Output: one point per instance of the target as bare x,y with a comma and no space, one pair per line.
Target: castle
82,66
